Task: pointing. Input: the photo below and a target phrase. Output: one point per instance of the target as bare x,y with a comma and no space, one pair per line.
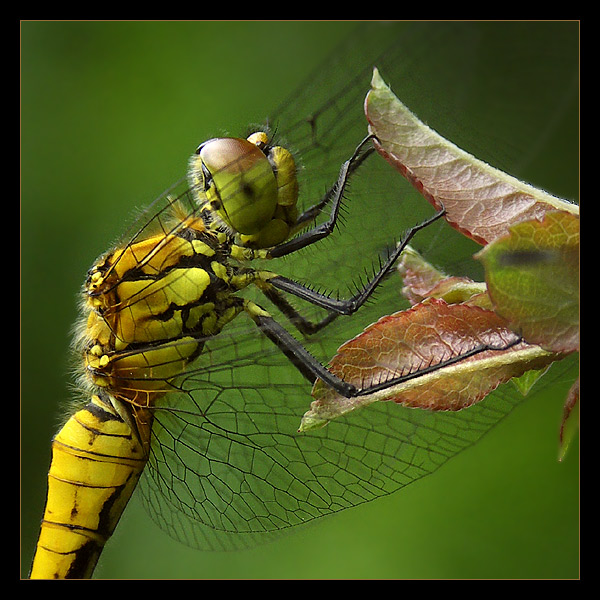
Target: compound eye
240,182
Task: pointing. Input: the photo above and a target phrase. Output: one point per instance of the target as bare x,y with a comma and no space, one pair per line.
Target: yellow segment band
96,463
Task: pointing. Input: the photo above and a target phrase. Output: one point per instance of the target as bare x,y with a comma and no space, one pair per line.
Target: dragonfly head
249,185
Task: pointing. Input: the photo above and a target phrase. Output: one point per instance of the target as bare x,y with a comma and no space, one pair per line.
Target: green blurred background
110,113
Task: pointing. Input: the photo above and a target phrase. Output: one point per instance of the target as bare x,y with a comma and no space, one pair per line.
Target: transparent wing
227,467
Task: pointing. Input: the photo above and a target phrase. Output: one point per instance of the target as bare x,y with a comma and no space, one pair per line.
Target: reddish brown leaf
422,280
407,342
480,201
570,420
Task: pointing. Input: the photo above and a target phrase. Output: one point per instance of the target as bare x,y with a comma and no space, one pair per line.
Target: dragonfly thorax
151,304
148,308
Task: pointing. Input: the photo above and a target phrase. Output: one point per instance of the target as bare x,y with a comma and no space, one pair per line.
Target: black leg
335,194
300,357
312,369
347,307
302,324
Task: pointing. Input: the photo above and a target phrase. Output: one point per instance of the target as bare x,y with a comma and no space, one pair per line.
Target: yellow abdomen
96,462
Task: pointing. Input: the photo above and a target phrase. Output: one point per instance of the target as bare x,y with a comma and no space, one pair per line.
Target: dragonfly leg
312,369
334,195
351,305
302,324
299,356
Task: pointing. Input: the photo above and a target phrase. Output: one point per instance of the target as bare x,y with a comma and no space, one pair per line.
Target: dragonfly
226,467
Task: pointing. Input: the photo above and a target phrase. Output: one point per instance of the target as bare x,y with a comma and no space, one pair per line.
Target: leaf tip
311,422
377,81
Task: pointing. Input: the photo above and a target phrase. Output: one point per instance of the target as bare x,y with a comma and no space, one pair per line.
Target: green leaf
528,380
532,276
